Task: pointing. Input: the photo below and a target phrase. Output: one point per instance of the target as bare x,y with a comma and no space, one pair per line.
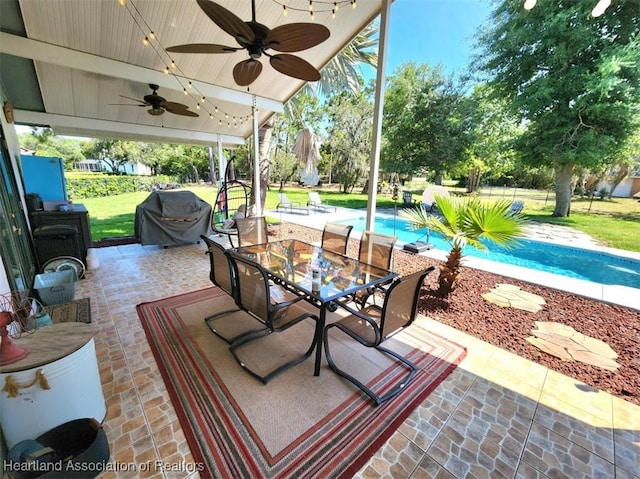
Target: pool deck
615,294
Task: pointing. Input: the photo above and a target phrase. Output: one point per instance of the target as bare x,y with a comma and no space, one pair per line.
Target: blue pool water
578,263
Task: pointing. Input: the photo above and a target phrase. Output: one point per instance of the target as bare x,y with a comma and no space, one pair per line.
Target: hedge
105,185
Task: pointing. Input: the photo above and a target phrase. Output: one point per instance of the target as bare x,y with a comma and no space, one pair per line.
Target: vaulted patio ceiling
65,63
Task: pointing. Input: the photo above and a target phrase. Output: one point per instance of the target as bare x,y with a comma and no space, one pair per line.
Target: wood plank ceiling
87,54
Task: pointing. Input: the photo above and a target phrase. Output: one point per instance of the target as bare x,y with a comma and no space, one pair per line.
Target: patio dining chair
253,296
221,275
335,237
373,325
252,230
375,249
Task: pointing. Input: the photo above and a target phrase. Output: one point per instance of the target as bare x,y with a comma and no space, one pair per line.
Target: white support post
374,163
256,160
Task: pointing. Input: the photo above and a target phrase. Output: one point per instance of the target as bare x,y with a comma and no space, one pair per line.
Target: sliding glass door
15,247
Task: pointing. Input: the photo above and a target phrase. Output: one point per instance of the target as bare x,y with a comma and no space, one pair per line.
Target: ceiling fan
256,38
159,105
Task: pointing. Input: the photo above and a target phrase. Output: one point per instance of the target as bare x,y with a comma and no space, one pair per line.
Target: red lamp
9,352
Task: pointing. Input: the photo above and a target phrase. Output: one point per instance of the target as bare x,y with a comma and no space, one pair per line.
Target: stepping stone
508,295
566,343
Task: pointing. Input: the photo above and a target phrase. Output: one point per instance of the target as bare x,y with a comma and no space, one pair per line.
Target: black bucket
75,449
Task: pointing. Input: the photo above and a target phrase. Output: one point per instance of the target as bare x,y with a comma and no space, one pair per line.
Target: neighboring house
95,166
101,165
627,187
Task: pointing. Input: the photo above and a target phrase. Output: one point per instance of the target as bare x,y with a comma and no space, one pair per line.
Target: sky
434,32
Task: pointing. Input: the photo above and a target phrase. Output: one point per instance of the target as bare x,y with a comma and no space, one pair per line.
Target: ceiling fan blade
295,37
245,72
295,67
202,48
227,20
183,112
178,108
124,104
135,99
171,105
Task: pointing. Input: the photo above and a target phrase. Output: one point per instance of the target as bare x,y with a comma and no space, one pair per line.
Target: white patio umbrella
307,150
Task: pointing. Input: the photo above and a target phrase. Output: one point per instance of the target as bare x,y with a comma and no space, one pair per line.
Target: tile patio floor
497,415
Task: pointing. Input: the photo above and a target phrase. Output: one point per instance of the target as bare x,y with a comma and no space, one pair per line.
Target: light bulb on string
529,4
152,35
284,10
145,41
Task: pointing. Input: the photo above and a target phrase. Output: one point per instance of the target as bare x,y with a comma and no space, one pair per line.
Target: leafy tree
424,124
574,80
466,222
349,137
342,73
115,153
493,130
45,143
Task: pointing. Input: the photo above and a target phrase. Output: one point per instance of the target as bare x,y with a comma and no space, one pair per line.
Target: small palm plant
466,221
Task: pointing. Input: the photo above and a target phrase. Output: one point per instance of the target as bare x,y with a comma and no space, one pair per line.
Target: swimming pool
578,263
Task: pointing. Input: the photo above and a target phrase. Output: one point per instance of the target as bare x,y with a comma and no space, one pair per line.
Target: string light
529,4
315,6
148,35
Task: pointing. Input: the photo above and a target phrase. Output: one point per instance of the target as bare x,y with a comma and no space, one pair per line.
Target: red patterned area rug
297,425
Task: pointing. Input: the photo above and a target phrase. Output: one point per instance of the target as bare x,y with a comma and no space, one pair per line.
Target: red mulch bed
507,328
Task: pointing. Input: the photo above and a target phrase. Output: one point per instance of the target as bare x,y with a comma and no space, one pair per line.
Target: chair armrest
357,313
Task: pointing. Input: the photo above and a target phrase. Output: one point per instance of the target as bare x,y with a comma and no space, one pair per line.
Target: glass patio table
291,263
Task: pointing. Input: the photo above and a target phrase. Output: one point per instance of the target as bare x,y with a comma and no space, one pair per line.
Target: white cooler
64,357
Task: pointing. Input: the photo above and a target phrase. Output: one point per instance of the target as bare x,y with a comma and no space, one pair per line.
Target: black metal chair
373,325
375,249
252,230
221,275
335,237
254,297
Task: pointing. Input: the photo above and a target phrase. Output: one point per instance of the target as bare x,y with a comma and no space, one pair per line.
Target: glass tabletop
293,262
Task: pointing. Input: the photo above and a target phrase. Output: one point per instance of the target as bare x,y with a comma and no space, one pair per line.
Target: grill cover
171,218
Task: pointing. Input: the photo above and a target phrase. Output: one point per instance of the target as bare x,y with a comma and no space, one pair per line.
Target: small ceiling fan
256,38
158,104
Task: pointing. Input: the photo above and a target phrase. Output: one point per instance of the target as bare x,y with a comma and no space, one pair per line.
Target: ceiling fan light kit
256,39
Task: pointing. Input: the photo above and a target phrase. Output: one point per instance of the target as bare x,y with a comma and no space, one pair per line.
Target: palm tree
466,221
341,73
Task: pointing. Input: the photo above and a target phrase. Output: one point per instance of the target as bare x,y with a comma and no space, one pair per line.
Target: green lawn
614,222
